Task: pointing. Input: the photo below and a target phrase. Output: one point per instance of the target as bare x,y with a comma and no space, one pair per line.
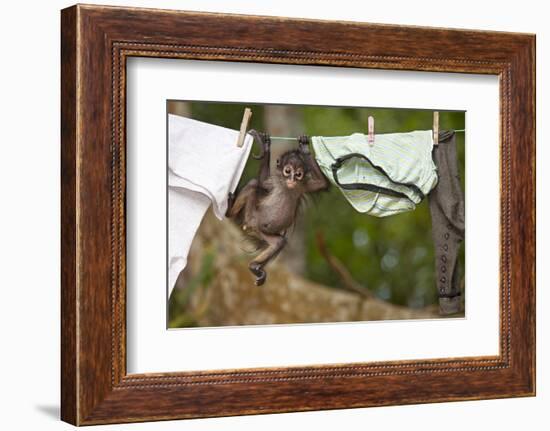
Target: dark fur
267,207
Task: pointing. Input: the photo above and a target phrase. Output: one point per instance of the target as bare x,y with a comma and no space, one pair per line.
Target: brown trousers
446,202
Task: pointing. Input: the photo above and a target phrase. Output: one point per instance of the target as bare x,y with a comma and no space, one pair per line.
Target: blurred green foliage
392,256
179,301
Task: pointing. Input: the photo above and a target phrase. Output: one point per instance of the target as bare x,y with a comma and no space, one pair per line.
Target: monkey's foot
257,270
260,280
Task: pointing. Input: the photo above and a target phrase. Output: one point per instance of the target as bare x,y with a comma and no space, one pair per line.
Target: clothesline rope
290,138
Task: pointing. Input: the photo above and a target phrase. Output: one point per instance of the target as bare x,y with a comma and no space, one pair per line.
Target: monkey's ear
279,163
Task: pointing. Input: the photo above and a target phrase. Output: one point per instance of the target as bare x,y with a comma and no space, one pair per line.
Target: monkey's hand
265,143
303,145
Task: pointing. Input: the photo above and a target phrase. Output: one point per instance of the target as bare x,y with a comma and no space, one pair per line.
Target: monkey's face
293,175
292,169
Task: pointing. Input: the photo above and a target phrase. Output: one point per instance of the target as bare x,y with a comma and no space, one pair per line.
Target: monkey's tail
262,139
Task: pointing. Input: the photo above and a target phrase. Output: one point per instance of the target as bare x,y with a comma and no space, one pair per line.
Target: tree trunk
221,290
179,108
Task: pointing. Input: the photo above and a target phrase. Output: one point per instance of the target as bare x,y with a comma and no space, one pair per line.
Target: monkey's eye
299,175
286,171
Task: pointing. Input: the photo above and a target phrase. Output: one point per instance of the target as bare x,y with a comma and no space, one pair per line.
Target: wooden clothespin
436,128
244,126
371,130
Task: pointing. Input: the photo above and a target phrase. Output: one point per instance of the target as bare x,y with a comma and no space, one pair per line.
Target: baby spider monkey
266,207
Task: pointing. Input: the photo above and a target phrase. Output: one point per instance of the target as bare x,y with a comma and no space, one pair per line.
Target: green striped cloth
388,177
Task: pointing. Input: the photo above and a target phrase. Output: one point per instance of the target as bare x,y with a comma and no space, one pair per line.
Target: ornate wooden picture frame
96,42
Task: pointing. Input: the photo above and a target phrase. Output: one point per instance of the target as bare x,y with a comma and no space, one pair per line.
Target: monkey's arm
265,167
318,181
265,156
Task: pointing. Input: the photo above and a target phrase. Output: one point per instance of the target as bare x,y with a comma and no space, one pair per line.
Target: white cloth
204,166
